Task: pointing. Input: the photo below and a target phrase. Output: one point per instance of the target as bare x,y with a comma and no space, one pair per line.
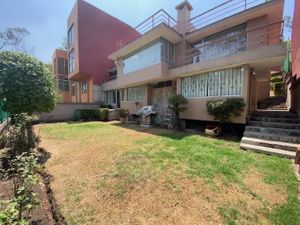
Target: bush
103,114
26,85
224,110
278,89
123,113
85,114
177,104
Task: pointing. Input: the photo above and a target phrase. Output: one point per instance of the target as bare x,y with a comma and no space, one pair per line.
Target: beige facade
250,41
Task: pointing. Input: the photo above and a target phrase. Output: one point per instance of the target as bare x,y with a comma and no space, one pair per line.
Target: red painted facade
296,41
97,32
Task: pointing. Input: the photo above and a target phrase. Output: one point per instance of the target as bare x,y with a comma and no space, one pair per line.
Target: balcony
222,11
159,25
250,39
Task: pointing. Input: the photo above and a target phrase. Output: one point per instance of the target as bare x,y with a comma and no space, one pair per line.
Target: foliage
177,104
123,113
104,105
13,38
26,85
23,174
224,110
103,114
277,84
64,44
85,114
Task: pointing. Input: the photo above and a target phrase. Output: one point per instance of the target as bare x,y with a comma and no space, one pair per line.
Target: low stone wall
65,111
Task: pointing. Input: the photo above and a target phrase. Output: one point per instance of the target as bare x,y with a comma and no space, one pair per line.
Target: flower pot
123,120
213,131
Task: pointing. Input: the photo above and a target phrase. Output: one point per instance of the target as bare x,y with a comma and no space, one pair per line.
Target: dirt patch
255,182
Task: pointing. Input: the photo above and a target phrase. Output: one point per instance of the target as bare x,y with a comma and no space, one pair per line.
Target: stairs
272,131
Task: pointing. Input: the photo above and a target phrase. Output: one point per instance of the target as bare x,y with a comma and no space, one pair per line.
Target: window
157,52
228,82
62,66
224,43
110,97
84,87
136,93
71,36
63,85
71,61
73,89
124,94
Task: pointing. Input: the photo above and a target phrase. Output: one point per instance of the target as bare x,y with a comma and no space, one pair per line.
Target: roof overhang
160,31
274,7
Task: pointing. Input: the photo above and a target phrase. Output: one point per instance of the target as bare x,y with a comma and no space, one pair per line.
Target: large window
157,52
136,93
226,42
84,87
228,82
71,37
71,61
63,85
62,66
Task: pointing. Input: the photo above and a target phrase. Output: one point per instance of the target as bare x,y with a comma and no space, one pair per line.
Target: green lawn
105,173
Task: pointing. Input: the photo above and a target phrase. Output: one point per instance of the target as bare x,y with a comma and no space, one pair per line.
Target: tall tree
26,85
13,38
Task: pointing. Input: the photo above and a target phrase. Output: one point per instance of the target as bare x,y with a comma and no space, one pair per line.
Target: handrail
221,12
160,17
266,36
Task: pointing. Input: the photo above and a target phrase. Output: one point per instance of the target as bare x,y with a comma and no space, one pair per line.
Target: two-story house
228,51
91,37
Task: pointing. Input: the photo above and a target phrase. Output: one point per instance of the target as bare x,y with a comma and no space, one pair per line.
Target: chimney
183,16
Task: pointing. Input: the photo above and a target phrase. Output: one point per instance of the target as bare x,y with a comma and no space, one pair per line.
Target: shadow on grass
174,134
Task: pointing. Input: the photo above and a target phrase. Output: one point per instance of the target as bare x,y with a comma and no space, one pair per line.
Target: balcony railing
222,11
156,19
111,74
224,46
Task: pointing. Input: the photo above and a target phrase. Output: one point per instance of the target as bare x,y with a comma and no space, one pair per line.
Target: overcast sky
46,19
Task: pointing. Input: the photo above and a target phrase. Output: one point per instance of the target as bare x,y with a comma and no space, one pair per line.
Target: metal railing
222,11
160,17
220,47
3,115
111,73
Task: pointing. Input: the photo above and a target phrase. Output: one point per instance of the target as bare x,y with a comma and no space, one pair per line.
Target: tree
177,104
288,20
64,44
26,85
12,38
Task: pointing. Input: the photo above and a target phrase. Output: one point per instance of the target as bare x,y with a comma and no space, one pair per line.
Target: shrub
103,114
278,89
177,104
224,110
26,85
123,113
85,114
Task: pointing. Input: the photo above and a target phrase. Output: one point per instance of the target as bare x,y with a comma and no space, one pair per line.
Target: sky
46,20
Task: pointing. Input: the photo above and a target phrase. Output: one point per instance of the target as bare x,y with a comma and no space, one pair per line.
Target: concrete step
272,137
271,144
274,114
270,151
270,130
276,120
295,126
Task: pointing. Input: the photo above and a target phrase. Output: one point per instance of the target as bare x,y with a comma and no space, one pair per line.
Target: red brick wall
296,40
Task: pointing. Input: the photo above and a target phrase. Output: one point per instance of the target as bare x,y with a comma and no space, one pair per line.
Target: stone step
271,144
276,120
272,137
274,114
270,130
269,151
275,124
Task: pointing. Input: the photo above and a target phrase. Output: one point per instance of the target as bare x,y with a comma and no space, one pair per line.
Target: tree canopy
12,38
26,85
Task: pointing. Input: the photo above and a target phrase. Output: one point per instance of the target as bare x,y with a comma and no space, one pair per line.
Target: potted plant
123,114
178,104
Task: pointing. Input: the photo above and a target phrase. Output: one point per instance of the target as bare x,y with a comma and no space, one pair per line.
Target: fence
3,115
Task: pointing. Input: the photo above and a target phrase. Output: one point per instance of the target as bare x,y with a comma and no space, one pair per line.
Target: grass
110,174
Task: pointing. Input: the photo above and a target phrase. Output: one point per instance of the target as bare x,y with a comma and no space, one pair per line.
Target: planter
213,131
123,120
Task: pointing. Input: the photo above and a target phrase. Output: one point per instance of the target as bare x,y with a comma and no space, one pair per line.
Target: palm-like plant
178,105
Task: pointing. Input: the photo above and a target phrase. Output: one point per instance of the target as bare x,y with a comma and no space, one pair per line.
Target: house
91,37
228,51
